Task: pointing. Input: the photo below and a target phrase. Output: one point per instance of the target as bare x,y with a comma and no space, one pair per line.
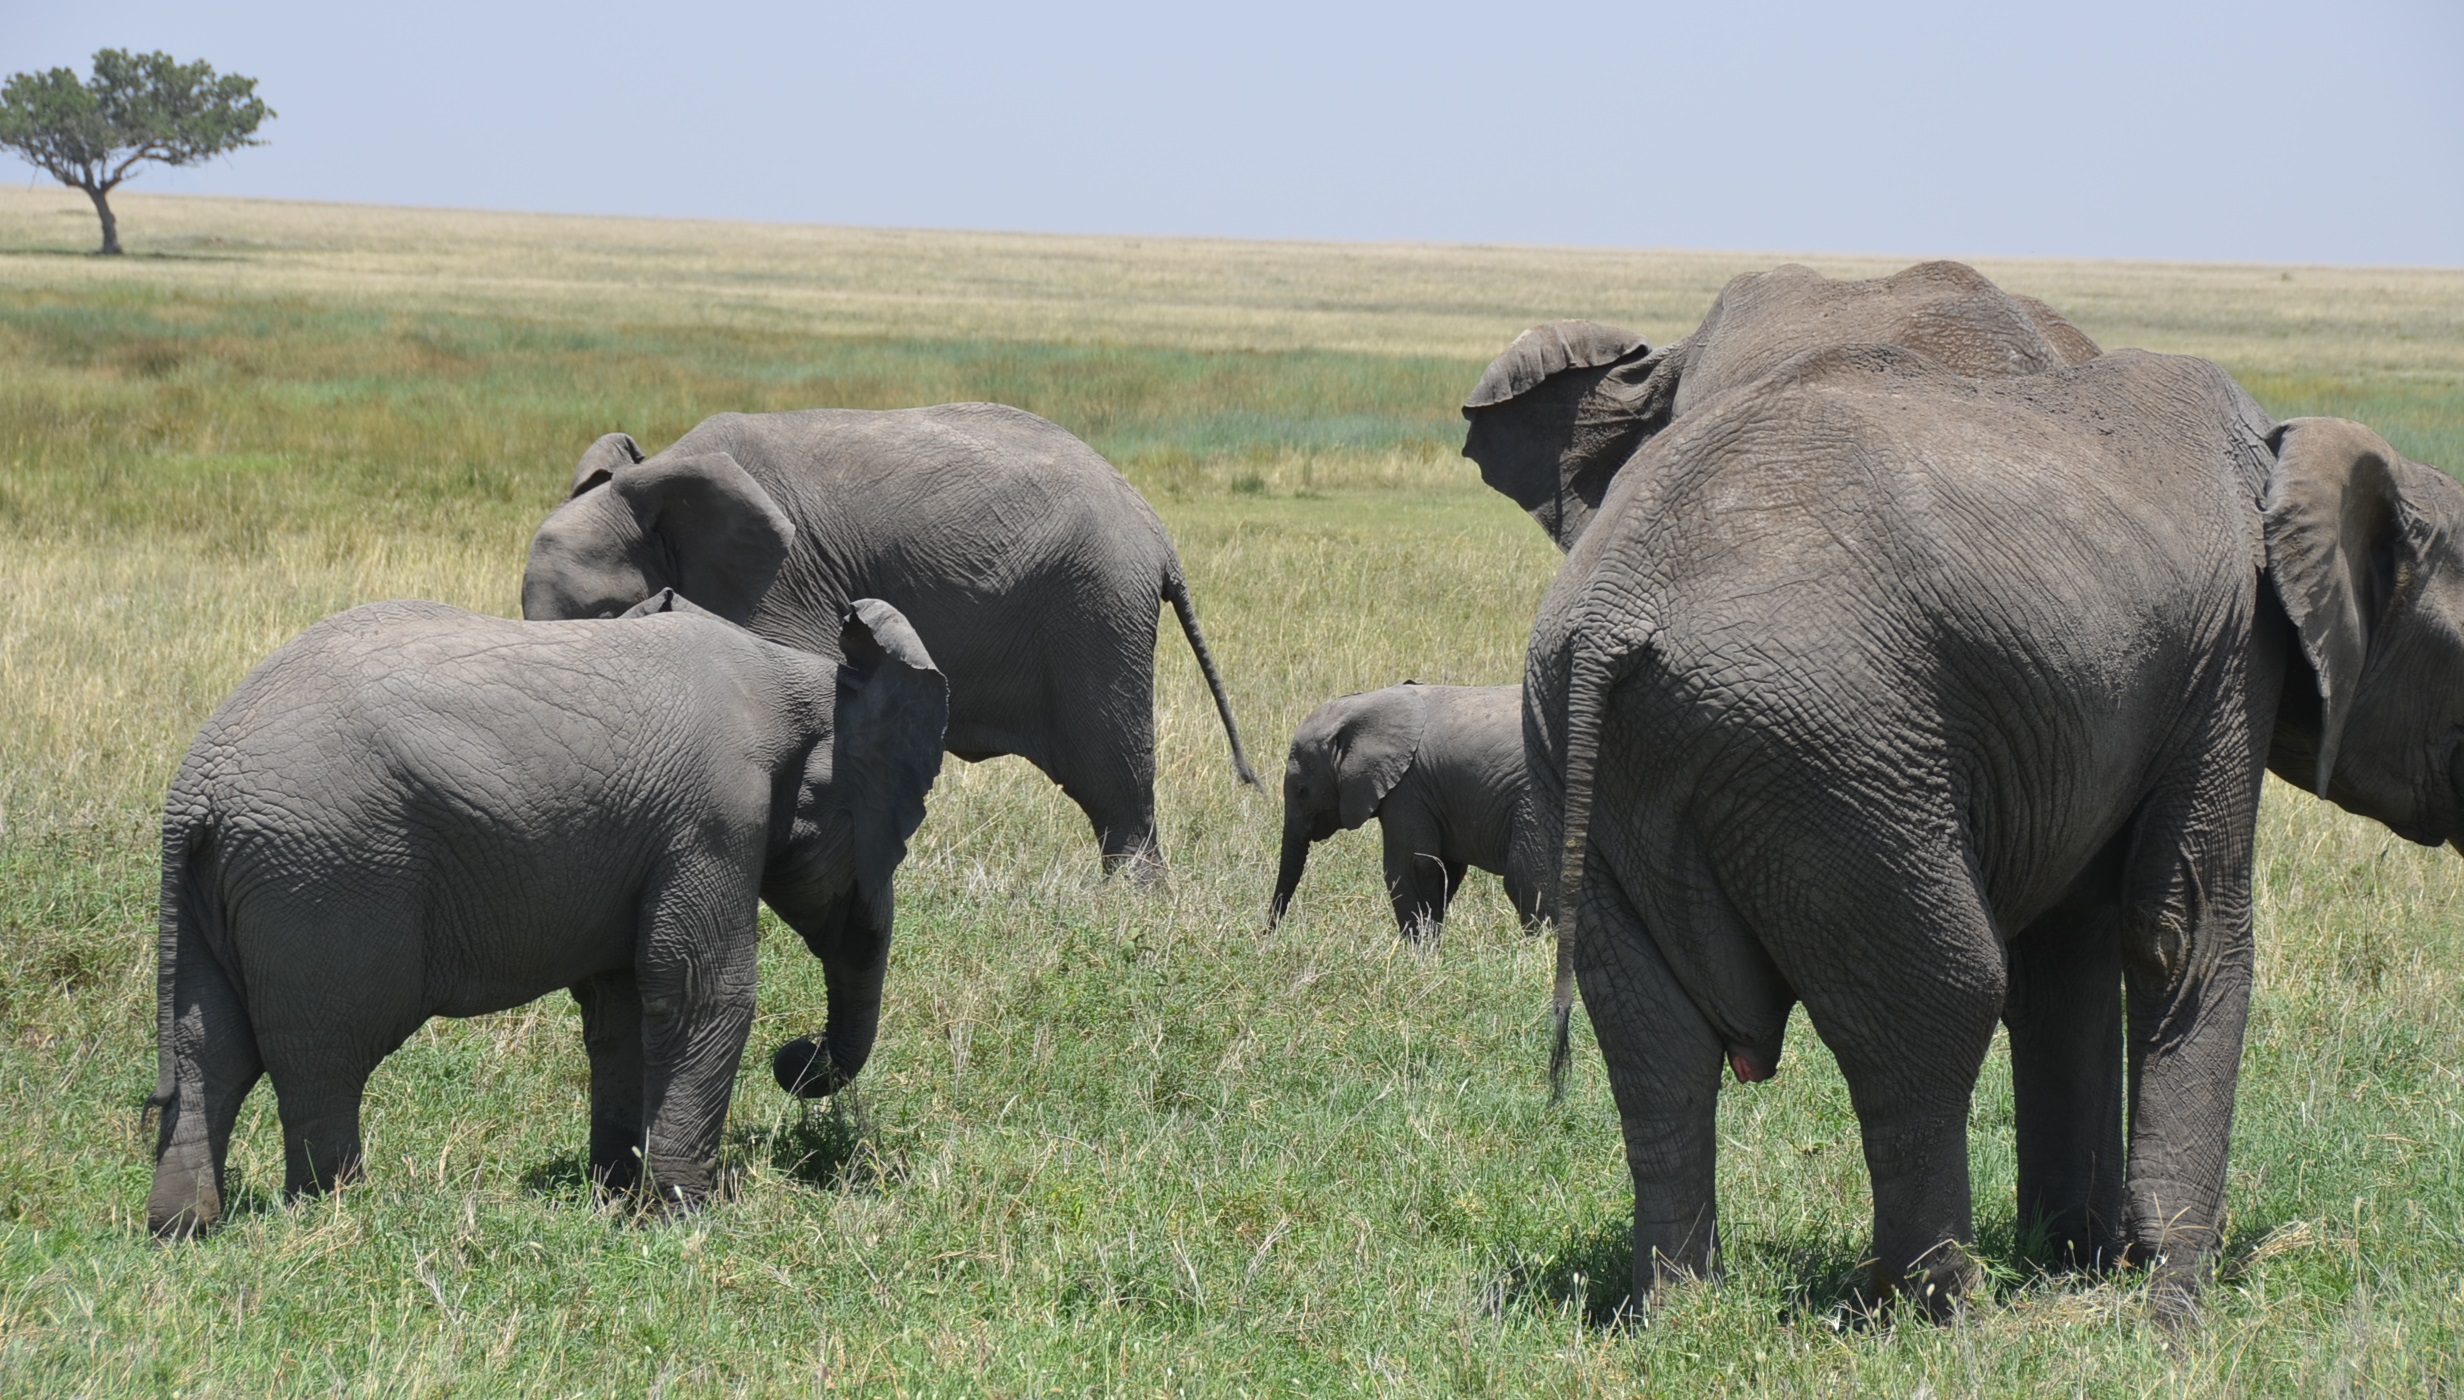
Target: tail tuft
1561,1049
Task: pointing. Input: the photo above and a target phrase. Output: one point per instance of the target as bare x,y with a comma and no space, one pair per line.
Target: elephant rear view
1030,568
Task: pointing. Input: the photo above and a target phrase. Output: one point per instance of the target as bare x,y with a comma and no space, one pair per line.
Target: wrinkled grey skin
1570,402
1029,567
1441,768
1928,699
414,811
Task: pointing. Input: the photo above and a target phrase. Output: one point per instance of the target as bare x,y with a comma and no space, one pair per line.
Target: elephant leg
696,976
1419,881
2186,960
1909,984
320,1124
2064,1011
1103,742
1664,1072
325,1023
1117,793
214,1063
612,1032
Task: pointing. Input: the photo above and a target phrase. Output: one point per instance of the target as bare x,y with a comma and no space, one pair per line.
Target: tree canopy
93,133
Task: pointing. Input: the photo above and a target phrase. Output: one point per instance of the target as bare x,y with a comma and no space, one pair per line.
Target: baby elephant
1441,768
413,811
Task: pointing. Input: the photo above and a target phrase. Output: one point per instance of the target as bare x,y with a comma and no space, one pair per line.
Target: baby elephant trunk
812,1067
1287,874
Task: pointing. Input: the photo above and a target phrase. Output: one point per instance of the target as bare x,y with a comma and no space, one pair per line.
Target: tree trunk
111,226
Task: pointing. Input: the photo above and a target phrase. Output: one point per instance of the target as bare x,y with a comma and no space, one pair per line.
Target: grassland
1113,1141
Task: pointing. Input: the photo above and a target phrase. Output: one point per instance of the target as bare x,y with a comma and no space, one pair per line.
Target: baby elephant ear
1375,748
601,461
893,711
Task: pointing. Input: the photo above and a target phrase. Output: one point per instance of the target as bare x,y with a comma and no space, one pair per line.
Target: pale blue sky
2263,130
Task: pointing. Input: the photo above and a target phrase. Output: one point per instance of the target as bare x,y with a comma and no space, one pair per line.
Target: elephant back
943,512
1946,311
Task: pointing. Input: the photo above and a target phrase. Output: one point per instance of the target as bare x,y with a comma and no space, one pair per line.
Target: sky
2265,130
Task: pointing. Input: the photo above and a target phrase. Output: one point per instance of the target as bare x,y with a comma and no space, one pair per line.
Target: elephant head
700,525
2366,551
1558,414
1347,755
862,797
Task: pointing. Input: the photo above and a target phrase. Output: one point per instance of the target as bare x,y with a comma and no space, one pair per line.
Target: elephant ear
601,461
723,535
1374,748
1559,412
893,713
2339,538
666,600
1543,352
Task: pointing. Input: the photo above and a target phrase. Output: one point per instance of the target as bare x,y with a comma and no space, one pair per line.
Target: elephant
412,811
1029,567
1570,402
1441,768
1928,699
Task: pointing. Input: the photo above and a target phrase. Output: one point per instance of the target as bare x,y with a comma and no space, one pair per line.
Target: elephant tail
1176,591
178,914
1589,678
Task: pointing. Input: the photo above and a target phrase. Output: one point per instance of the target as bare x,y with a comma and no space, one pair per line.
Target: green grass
1113,1140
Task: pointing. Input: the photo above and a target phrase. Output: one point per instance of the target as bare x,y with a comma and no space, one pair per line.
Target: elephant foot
803,1068
187,1223
1143,867
1939,1283
615,1160
2173,1297
681,1188
182,1206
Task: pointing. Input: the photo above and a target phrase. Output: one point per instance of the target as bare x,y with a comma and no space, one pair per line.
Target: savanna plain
1114,1140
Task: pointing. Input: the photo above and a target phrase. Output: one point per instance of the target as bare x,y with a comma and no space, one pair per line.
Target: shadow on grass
125,256
1591,1273
564,1178
828,1149
832,1149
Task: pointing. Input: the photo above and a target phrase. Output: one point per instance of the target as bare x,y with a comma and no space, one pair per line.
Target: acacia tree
94,133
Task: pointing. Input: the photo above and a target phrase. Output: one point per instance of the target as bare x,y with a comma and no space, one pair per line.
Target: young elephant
1032,569
412,811
1440,767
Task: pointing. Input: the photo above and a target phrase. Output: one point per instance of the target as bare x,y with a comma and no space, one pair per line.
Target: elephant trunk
816,1069
1288,872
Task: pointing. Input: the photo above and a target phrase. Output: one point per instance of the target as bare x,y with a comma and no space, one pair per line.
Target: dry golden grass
1215,294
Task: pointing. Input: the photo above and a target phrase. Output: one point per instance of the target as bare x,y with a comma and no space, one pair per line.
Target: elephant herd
1912,659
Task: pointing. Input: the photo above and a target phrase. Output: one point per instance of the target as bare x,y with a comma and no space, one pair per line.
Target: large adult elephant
1029,567
1570,402
1928,699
